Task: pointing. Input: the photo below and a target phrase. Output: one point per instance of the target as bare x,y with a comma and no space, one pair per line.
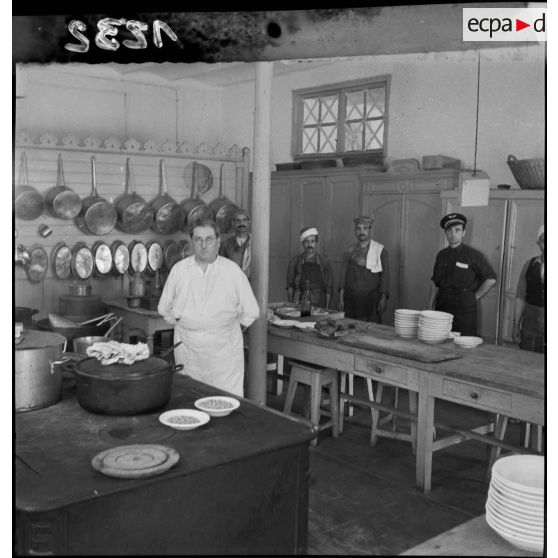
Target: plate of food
184,419
217,405
318,312
335,328
288,312
305,326
284,323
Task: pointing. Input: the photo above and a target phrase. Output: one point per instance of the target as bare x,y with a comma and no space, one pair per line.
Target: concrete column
260,232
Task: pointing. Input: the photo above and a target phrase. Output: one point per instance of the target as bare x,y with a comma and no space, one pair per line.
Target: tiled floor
363,499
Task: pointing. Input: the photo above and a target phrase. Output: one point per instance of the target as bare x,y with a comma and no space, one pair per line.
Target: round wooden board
135,461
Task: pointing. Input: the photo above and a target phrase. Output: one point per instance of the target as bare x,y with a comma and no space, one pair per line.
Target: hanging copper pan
193,207
97,215
168,216
134,213
28,202
61,201
172,254
222,208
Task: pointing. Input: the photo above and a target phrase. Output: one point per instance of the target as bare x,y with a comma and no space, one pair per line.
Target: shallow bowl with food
184,419
217,405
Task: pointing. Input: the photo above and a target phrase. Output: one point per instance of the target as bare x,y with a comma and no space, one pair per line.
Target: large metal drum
38,379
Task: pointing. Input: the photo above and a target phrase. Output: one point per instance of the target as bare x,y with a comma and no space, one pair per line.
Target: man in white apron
208,298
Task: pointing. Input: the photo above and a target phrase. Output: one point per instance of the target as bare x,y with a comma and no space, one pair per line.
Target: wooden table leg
425,431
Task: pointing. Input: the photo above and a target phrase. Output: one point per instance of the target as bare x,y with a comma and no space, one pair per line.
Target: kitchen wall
432,105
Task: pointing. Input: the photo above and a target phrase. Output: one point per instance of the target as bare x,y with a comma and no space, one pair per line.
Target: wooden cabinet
406,210
328,202
505,231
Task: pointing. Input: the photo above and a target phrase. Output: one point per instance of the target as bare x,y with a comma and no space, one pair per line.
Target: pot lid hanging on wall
82,261
155,257
138,256
61,257
102,256
38,264
120,257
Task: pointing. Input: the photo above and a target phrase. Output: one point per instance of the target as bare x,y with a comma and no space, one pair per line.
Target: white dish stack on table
515,504
434,326
406,322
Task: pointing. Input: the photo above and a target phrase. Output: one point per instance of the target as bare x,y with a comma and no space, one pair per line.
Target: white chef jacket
207,310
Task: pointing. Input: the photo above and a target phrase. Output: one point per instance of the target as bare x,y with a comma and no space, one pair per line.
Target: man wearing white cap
364,285
310,268
529,311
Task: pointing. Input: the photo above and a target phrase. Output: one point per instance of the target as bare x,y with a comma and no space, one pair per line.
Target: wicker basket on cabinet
529,173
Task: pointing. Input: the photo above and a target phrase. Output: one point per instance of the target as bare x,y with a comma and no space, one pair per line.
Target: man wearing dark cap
461,277
364,285
237,247
310,268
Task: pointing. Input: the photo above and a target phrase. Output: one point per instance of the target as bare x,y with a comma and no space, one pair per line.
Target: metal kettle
137,284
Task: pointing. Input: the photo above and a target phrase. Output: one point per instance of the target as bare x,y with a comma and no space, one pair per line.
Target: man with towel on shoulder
312,267
364,285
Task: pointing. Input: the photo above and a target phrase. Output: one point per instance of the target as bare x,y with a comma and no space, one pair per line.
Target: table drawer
381,370
477,395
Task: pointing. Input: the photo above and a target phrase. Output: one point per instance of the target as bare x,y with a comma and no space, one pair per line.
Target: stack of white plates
406,322
467,342
434,326
515,504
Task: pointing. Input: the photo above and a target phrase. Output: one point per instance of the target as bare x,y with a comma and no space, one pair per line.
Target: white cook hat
308,231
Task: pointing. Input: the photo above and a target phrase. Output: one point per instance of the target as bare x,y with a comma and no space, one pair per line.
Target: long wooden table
239,487
499,380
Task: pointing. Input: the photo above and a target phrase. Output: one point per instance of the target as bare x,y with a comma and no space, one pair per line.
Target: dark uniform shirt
461,269
234,251
317,272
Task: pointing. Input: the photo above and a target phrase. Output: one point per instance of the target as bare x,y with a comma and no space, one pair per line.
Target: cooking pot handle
62,362
177,368
68,362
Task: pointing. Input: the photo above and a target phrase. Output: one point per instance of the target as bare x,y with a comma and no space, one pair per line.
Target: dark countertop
55,445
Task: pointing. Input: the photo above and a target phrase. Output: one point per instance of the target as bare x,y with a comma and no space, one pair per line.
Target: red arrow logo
519,25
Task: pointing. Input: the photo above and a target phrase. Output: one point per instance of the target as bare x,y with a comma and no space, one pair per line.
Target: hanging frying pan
222,208
168,216
97,215
61,257
155,257
102,259
82,261
28,202
193,207
38,264
120,258
61,201
172,254
134,213
138,256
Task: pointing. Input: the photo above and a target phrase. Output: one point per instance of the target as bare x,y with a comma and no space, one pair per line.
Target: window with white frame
342,119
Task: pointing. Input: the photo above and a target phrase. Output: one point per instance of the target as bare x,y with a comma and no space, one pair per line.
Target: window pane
375,102
374,134
353,136
328,139
309,140
355,105
329,109
311,111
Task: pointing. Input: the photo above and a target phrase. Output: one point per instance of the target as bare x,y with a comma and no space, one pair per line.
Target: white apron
212,356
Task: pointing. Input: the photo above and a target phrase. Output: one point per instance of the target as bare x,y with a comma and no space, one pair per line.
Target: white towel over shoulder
373,261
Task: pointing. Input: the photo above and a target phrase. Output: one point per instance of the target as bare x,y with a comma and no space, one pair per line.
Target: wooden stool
316,378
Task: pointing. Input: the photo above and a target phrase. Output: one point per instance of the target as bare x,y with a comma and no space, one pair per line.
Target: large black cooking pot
124,389
70,333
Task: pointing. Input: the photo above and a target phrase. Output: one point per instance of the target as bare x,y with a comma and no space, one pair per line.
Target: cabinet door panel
486,232
386,210
316,201
279,238
525,217
421,233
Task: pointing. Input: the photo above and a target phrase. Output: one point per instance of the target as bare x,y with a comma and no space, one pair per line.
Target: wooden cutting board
389,343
